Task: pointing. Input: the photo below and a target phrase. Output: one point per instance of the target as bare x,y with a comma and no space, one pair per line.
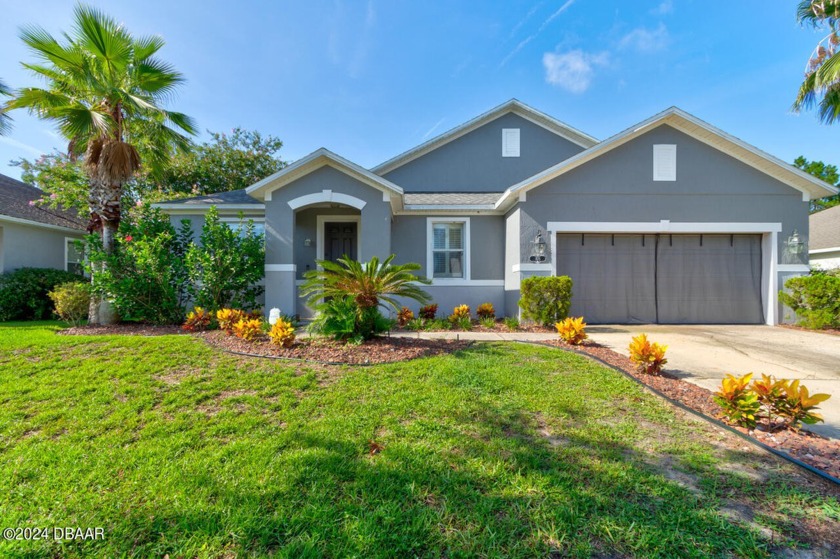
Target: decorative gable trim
513,106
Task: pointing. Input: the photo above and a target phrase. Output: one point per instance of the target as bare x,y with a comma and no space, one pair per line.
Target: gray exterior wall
474,162
710,187
31,246
487,243
306,221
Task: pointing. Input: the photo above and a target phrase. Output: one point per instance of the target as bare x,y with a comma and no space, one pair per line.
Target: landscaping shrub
282,333
367,286
737,403
460,317
145,276
249,329
71,301
487,322
486,310
511,323
546,299
198,319
429,312
227,318
404,316
798,405
815,299
226,265
572,330
649,357
24,292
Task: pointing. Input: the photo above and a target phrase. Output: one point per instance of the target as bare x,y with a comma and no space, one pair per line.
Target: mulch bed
498,327
813,449
322,350
127,329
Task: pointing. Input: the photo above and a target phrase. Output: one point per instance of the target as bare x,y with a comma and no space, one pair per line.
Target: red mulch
813,449
377,350
498,327
126,329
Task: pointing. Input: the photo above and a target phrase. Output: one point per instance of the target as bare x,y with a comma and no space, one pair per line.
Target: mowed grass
496,451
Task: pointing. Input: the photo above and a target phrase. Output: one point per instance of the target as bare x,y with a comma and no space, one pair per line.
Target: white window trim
661,151
430,268
320,223
511,149
67,252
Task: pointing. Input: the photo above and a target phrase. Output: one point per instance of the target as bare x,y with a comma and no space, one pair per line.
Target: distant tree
104,88
5,121
827,173
227,162
821,86
62,178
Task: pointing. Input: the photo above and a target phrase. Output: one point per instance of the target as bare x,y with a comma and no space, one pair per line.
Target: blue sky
370,79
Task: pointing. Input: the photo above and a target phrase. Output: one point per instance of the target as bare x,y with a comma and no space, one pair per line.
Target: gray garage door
670,279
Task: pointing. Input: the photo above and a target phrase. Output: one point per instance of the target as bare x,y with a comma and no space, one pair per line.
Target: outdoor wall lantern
538,248
795,244
307,242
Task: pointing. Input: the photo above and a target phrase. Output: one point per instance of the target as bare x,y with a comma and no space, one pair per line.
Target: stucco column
280,289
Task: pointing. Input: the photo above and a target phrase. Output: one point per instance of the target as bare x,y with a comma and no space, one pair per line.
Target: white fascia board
660,227
31,223
202,208
452,207
824,250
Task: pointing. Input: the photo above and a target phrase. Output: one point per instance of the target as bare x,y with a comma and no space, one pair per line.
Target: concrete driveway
704,355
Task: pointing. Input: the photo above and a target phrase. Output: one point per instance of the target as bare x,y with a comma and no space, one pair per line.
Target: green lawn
496,451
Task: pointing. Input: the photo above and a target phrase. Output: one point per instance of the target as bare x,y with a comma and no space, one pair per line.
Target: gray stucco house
34,236
824,248
671,220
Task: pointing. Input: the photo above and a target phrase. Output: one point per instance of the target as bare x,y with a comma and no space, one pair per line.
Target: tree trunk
104,203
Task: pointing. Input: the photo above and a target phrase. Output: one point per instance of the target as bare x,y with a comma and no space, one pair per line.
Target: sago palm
370,284
5,121
104,89
821,86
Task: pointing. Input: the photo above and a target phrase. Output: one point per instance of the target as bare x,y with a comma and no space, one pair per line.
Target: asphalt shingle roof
450,198
14,202
825,229
219,198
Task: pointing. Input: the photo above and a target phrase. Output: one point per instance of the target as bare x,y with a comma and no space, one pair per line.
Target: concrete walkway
704,355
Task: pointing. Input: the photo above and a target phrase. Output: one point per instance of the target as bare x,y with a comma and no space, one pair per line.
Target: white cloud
664,8
21,146
534,35
431,130
646,40
573,70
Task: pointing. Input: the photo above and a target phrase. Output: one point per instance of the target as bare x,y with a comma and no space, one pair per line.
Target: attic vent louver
664,162
510,142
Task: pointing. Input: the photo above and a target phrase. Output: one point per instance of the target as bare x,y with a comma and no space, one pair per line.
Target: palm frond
147,46
102,36
47,48
5,120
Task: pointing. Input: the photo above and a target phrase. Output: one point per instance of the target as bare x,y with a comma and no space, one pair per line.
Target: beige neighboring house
824,245
33,236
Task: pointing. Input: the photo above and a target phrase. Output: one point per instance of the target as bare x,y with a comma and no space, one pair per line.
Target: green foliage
429,312
459,313
145,276
486,310
72,301
63,180
5,120
738,403
342,319
488,322
821,87
797,405
546,300
369,284
226,265
827,173
511,323
228,162
815,299
24,292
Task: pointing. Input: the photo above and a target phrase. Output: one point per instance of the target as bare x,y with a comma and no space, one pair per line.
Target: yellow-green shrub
282,333
249,329
486,310
572,330
197,320
546,299
737,402
797,405
227,319
649,357
459,313
72,301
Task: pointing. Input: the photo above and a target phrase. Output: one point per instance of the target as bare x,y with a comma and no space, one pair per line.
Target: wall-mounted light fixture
307,242
795,244
538,248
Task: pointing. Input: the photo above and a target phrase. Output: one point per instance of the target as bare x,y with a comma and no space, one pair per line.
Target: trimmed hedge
815,299
23,292
546,299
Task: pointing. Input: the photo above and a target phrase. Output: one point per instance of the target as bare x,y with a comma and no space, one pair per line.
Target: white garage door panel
677,279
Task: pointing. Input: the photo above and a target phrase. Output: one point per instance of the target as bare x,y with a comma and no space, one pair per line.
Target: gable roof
314,161
230,200
513,106
14,203
825,229
810,186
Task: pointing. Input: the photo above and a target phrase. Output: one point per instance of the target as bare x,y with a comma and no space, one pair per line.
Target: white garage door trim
769,245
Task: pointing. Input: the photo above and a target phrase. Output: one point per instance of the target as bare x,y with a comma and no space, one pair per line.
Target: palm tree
5,121
821,86
104,89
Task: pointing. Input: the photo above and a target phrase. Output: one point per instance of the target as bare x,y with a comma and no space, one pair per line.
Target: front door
339,240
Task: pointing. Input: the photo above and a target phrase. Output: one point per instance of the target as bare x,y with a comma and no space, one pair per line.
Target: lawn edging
714,421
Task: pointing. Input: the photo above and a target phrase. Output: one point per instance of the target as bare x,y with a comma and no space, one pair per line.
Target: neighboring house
670,221
824,245
34,236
